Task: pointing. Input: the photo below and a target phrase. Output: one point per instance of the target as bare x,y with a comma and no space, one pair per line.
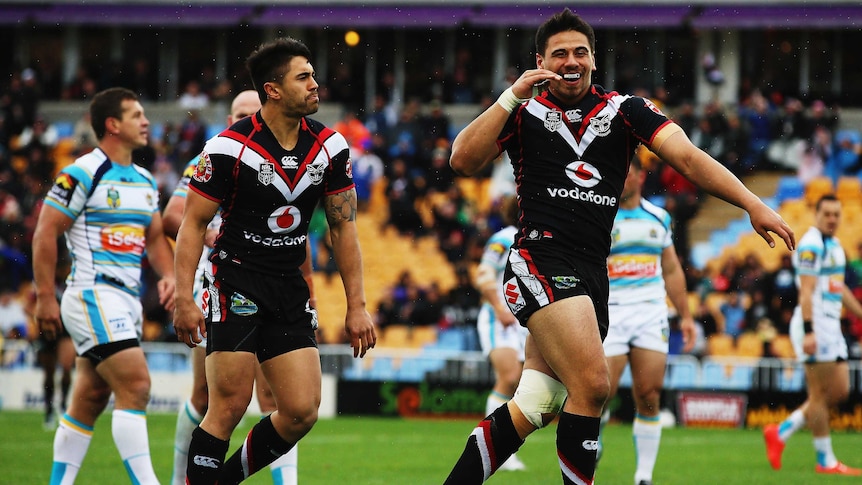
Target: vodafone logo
284,219
583,174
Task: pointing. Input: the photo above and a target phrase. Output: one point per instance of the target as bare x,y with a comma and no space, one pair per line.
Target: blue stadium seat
64,128
726,375
626,378
789,188
681,374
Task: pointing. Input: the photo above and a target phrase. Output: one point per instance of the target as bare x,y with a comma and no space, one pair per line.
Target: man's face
298,89
133,128
828,216
632,187
568,54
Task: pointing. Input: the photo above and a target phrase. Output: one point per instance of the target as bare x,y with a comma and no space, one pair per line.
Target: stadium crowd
403,152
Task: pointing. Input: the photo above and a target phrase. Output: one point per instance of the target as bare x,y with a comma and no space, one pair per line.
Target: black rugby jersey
268,194
570,165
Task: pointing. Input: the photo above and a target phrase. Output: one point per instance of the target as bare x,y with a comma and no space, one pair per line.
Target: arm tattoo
340,207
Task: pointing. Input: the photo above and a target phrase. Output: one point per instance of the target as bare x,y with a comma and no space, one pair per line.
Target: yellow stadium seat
849,190
782,347
720,345
749,344
816,188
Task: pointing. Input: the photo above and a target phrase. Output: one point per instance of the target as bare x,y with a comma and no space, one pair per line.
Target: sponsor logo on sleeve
63,189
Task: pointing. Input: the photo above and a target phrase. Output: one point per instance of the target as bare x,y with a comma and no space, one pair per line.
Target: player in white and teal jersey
643,270
108,209
815,330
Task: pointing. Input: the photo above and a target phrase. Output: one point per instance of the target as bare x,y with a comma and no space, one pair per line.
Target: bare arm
173,215
340,211
807,284
486,282
674,147
188,319
476,145
674,284
50,225
161,257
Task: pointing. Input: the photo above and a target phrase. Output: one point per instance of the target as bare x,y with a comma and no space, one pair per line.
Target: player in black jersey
570,148
266,172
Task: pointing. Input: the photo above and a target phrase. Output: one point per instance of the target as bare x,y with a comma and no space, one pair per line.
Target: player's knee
648,400
539,396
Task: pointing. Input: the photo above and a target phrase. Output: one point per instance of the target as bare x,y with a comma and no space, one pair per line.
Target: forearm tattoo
340,207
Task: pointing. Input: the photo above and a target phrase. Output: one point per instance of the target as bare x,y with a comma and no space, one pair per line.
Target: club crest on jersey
204,168
266,173
553,120
601,124
113,198
315,171
289,162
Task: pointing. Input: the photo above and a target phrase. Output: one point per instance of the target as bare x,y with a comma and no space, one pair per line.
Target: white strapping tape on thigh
539,394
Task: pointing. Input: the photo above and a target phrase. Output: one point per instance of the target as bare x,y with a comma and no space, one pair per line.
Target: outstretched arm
674,147
340,211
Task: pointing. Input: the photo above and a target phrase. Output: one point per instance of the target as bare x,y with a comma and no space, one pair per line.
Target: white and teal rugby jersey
823,257
634,265
112,206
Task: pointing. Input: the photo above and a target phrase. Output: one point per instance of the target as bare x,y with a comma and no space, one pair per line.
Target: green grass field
388,451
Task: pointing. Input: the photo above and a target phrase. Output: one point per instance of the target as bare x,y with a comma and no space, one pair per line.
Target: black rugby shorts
253,312
537,276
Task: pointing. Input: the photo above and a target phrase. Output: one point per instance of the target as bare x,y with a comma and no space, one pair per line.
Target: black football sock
577,444
261,447
206,454
490,444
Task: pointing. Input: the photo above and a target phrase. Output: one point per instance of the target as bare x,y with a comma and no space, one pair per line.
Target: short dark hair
825,198
509,209
108,104
562,22
269,62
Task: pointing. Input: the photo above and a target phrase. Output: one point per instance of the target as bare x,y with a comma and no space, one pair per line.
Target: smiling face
568,54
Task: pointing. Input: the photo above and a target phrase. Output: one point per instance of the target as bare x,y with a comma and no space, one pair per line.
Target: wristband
807,326
508,101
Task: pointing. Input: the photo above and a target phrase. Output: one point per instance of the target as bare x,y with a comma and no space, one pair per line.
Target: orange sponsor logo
126,239
632,266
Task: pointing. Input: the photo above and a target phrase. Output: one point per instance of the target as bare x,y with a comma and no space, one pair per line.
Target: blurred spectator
83,135
13,319
845,155
733,312
142,79
191,137
735,145
82,86
352,128
425,308
814,158
367,170
452,232
439,176
405,136
40,132
388,310
760,119
434,127
381,118
401,192
21,102
193,98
